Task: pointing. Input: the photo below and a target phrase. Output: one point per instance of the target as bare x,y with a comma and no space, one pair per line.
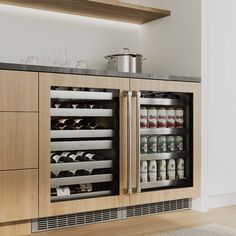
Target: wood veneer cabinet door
15,228
19,195
46,207
173,193
19,91
18,140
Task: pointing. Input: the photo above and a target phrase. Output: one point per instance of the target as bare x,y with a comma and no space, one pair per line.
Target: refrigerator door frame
46,207
138,197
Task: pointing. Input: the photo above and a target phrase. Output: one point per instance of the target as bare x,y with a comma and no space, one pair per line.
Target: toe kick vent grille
72,220
160,207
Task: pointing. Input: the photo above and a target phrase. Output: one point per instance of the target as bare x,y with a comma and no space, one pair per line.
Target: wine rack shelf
57,94
161,102
81,145
81,165
163,156
104,133
163,131
70,112
81,196
165,183
56,182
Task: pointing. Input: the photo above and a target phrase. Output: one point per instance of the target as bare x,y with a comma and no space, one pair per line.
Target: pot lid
126,52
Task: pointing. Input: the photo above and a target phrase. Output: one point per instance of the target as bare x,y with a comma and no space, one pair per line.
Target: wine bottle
83,172
65,124
81,156
67,157
93,125
54,174
81,188
80,124
60,191
66,173
55,158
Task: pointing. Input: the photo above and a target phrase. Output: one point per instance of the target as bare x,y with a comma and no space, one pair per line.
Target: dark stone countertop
92,72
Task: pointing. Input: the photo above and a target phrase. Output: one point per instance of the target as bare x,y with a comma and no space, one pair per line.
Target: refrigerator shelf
165,183
82,165
81,112
82,195
81,145
56,182
97,133
161,102
163,156
83,95
163,131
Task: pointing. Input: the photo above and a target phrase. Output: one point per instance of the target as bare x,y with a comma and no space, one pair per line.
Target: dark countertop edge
93,72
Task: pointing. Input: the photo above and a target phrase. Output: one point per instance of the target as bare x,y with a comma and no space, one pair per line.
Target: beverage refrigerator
114,142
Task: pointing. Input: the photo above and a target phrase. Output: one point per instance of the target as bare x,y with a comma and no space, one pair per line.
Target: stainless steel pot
125,62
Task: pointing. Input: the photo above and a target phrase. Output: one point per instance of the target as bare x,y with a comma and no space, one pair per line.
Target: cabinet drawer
18,140
19,195
19,91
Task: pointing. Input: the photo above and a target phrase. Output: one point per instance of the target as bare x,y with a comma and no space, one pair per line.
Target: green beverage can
144,145
161,144
170,142
152,144
179,143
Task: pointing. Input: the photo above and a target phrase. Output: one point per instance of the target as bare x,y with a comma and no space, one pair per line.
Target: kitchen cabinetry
74,90
18,145
19,195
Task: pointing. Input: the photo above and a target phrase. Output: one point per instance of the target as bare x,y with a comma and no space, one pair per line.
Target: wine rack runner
163,131
60,94
66,181
104,133
161,102
163,156
68,112
81,196
161,184
82,165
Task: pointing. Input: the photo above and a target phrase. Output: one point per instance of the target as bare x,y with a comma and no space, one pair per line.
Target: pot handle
108,57
126,50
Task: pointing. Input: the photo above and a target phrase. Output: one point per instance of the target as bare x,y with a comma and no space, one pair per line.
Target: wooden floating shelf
110,10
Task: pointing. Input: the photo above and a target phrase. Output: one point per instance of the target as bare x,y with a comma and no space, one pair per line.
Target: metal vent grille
155,208
58,222
65,221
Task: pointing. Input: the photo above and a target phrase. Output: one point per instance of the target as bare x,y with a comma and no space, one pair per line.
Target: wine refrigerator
113,142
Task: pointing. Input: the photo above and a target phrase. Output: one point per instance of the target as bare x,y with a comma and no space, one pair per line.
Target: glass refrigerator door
164,140
84,143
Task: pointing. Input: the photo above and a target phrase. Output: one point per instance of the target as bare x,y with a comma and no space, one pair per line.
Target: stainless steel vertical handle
138,95
129,136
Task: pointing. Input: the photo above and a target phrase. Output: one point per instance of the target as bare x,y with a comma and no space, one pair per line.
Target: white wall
26,32
220,74
163,42
173,44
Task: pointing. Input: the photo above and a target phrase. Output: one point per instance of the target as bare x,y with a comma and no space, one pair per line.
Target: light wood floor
146,226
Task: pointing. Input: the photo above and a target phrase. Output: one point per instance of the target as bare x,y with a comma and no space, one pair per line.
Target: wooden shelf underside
111,10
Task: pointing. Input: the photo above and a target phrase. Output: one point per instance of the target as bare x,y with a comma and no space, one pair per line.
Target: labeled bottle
171,169
86,156
65,124
144,172
161,172
180,168
67,157
60,191
152,171
55,158
80,124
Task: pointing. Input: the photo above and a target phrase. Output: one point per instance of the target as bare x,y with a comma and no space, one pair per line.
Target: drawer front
18,140
19,91
19,195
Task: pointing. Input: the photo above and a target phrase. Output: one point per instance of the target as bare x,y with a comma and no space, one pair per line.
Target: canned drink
161,144
161,118
171,169
179,118
161,171
170,142
143,117
152,144
170,117
144,145
152,171
144,172
179,143
180,168
152,117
